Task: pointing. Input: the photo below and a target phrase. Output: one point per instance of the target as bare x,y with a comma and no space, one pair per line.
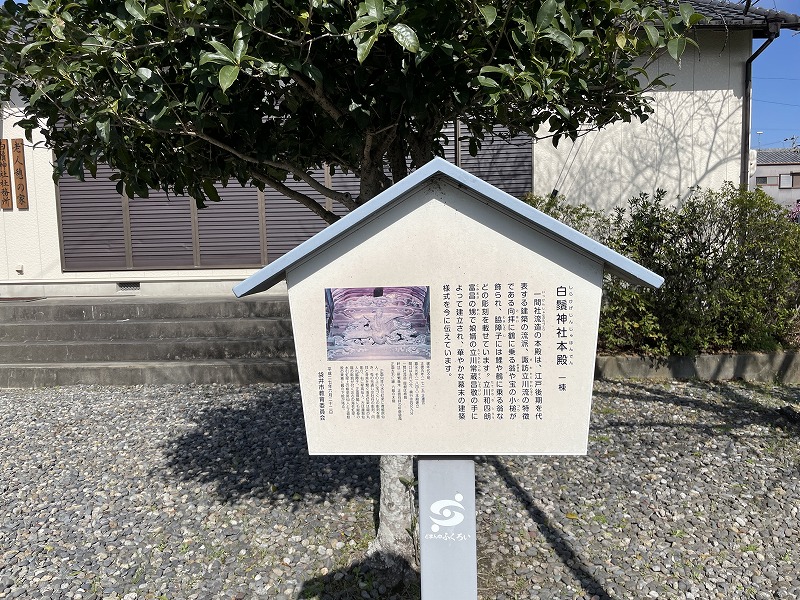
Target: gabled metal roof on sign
439,168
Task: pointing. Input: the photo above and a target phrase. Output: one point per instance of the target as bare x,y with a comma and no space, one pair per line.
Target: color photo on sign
378,323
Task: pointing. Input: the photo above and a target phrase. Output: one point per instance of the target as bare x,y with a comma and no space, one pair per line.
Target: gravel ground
689,490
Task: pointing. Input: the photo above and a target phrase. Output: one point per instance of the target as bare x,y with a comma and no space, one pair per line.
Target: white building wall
787,196
692,139
30,249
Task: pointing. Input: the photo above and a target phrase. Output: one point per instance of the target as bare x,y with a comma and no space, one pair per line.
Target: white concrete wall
30,250
692,139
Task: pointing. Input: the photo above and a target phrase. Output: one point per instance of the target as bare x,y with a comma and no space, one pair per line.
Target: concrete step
132,307
145,329
130,340
236,371
144,350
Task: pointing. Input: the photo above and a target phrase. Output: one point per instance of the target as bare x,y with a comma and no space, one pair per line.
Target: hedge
731,264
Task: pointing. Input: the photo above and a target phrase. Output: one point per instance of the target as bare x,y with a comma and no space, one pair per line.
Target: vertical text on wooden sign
20,175
6,193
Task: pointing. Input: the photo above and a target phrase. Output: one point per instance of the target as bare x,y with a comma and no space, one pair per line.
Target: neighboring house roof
744,15
778,156
439,168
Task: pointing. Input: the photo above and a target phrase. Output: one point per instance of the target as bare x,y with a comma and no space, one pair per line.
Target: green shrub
730,260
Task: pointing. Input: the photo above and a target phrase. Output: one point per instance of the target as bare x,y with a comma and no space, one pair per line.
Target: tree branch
312,205
320,98
343,198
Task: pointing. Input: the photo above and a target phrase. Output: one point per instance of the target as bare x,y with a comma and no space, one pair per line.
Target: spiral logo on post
445,510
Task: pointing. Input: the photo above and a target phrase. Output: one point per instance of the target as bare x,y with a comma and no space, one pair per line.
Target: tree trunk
394,545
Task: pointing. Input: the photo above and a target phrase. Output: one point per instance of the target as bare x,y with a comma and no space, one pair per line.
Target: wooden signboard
20,175
6,191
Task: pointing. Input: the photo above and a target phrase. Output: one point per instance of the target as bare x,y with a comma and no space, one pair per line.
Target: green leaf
223,50
239,48
103,128
695,19
363,48
622,39
487,82
211,191
492,69
313,73
686,11
136,10
375,8
489,14
405,36
214,57
652,35
57,27
227,75
361,23
546,14
30,47
144,74
675,47
527,90
560,37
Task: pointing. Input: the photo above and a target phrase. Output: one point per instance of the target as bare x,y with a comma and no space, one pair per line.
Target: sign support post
447,529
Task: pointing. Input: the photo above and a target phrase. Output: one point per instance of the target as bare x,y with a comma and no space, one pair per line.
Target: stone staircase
130,340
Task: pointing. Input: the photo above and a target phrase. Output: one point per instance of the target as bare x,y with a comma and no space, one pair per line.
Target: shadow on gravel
255,446
737,412
560,545
366,580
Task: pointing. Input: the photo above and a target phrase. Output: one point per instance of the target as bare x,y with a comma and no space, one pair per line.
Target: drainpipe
774,32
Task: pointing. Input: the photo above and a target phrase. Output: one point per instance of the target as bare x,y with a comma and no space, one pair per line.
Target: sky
776,85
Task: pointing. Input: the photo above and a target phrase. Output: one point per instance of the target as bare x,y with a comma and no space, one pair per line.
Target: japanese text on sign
498,347
6,197
20,176
364,394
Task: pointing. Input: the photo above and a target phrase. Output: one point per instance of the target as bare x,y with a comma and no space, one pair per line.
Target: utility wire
773,102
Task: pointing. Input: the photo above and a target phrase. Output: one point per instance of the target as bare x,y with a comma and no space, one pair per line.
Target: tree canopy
180,94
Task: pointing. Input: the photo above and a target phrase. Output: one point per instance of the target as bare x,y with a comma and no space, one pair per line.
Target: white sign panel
446,327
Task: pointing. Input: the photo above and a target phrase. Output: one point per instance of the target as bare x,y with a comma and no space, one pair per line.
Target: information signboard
446,319
472,339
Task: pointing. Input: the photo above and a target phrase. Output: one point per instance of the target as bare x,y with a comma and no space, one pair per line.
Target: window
789,181
768,180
